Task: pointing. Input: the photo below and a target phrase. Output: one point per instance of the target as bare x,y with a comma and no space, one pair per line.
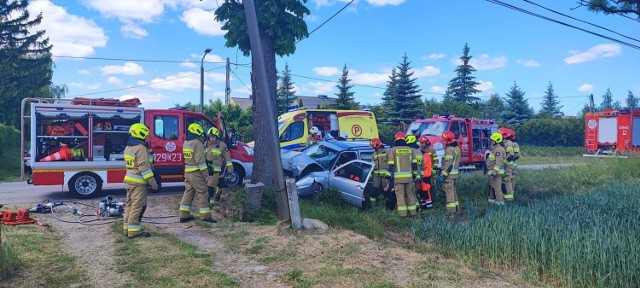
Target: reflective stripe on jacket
138,164
194,160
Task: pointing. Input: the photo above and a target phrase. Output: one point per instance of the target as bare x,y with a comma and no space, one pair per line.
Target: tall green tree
517,109
550,104
494,107
345,95
632,101
281,25
389,96
463,86
407,105
26,67
607,100
286,91
621,7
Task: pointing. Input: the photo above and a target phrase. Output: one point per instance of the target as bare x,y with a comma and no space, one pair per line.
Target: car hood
295,161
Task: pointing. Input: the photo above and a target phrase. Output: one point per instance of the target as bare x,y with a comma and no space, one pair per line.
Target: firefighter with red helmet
449,172
495,168
508,161
403,170
424,187
516,156
380,161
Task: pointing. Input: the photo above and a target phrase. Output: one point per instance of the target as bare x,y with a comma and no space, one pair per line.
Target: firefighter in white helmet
314,135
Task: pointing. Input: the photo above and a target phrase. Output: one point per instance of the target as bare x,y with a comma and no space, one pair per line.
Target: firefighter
139,175
403,170
380,161
216,154
412,142
195,176
516,156
449,172
314,135
425,183
495,168
507,189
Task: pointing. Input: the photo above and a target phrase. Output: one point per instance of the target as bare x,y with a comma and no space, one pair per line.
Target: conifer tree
550,104
494,107
607,100
463,86
285,94
407,105
389,95
632,101
517,109
345,95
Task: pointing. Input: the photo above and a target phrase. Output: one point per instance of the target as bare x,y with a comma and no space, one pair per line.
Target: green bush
551,132
10,154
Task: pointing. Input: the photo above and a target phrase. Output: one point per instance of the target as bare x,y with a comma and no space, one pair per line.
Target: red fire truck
80,142
472,133
612,131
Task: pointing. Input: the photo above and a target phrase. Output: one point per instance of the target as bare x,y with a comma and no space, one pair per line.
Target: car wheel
236,178
317,189
85,185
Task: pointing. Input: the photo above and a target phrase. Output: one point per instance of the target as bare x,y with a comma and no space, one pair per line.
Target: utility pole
202,79
263,101
227,88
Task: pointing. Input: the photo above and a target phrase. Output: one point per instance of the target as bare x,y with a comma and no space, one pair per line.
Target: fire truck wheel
85,185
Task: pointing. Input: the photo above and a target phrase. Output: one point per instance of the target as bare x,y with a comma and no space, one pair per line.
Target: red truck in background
80,142
472,134
612,131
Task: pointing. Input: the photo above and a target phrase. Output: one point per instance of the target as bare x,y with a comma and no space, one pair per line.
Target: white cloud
484,86
129,68
321,3
368,78
203,22
385,2
435,56
216,77
70,35
244,91
187,63
209,58
131,30
84,72
321,87
84,85
177,82
142,10
595,52
586,87
327,70
426,71
528,63
149,100
486,62
438,89
114,81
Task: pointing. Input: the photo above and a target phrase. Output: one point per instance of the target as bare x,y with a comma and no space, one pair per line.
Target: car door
351,179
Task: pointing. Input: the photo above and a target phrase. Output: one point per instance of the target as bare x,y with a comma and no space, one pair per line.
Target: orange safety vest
427,164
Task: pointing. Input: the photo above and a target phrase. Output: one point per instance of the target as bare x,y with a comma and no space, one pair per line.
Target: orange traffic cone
63,154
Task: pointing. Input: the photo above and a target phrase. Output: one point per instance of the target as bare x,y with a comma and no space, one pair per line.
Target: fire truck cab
472,134
81,142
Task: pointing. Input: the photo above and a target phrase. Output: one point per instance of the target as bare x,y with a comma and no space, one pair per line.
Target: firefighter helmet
139,131
448,137
411,139
424,139
213,131
503,131
314,130
512,133
375,143
399,136
496,137
195,129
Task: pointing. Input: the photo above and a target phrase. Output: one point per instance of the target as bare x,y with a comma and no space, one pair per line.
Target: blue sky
370,37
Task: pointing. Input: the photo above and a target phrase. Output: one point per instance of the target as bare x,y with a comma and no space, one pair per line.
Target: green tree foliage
460,109
407,105
632,101
25,60
345,95
517,109
388,97
607,100
493,108
463,86
285,93
621,7
236,118
300,104
550,105
551,132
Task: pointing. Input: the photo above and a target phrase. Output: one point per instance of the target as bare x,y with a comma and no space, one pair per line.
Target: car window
202,121
463,129
455,129
356,171
435,128
345,157
294,131
415,126
166,127
366,155
321,154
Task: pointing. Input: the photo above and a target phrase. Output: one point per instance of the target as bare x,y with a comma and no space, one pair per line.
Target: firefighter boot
218,193
212,192
143,234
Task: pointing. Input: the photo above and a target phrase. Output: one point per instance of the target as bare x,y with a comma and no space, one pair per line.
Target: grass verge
163,260
39,259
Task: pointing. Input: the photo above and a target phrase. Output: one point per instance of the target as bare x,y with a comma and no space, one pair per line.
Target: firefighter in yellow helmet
379,160
195,176
403,170
139,175
216,154
507,186
495,168
412,142
449,172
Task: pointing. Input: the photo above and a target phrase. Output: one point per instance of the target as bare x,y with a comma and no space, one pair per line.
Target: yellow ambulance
294,126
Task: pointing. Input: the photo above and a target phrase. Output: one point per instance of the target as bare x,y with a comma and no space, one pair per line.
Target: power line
586,22
141,60
562,23
325,22
238,77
